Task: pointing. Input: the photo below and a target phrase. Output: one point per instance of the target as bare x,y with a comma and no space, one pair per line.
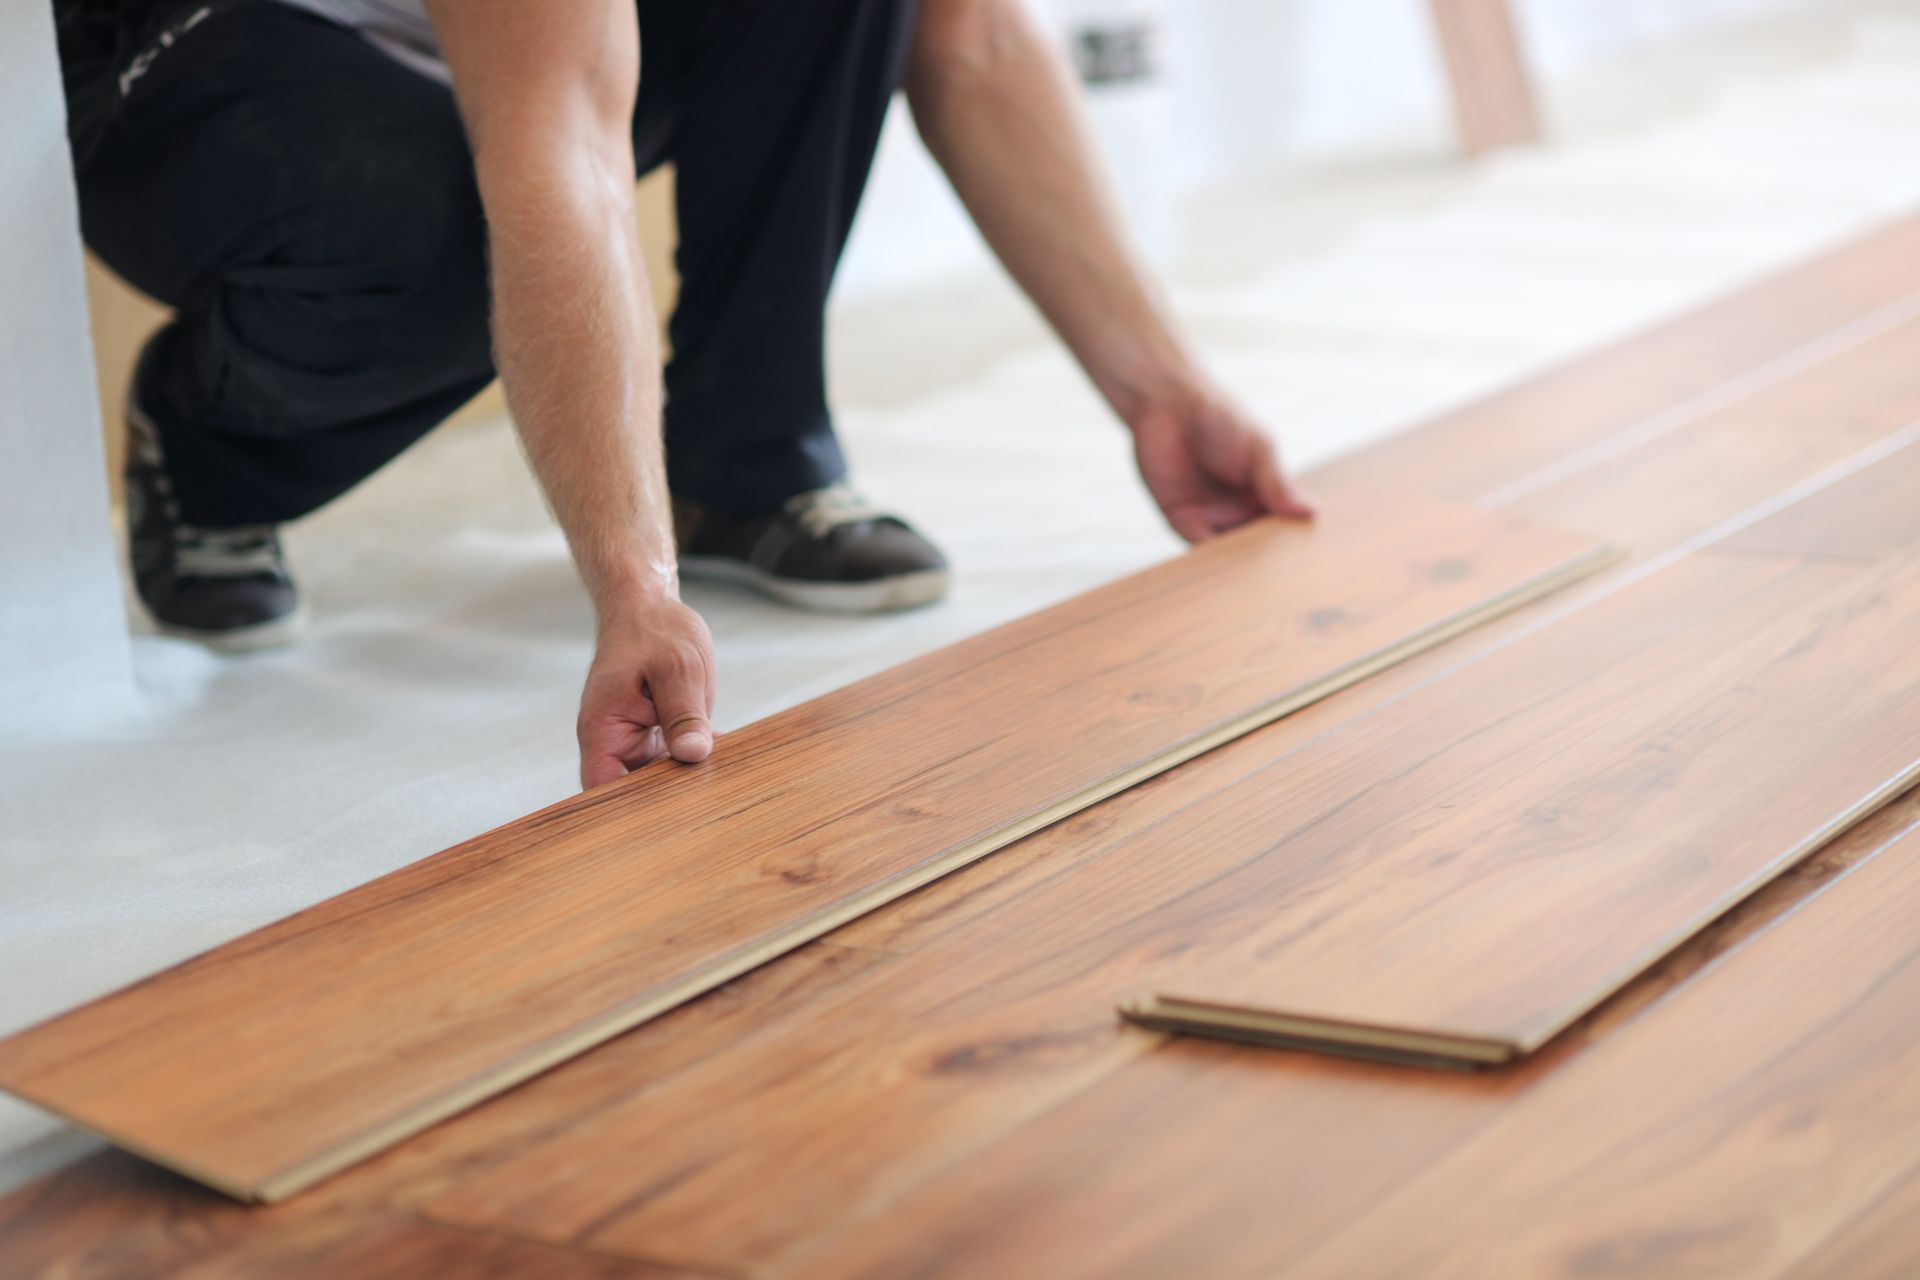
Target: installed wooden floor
1010,1126
1728,1131
279,1058
1541,825
1362,837
992,1020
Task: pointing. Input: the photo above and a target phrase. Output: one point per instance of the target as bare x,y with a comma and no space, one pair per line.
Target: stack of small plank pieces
1541,813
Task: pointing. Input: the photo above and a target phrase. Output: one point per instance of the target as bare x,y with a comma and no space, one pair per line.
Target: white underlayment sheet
434,697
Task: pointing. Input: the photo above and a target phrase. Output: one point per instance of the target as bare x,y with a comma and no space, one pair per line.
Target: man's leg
778,109
771,112
308,208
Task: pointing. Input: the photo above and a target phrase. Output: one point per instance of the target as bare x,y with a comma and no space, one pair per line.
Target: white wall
1251,88
62,628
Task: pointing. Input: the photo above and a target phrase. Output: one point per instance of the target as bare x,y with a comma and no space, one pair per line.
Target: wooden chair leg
1493,96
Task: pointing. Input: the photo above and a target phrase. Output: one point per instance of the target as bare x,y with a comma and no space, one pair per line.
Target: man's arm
547,94
996,103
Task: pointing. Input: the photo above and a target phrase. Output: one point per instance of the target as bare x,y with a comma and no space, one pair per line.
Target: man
360,209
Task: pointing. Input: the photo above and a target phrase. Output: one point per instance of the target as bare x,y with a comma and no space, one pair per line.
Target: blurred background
1242,90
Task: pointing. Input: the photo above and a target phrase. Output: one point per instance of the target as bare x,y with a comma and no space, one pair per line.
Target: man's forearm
996,104
579,356
547,95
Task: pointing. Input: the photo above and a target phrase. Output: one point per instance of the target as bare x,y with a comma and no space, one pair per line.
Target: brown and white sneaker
828,550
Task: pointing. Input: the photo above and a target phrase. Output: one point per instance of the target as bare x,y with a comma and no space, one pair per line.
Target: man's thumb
689,735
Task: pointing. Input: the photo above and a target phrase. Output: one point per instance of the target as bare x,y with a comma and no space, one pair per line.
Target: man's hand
1209,466
547,94
649,692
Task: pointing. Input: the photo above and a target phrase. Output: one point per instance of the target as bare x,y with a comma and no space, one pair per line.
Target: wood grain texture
1873,517
997,1015
1600,402
1493,98
1216,1160
114,1218
1663,490
1552,819
1646,1160
1652,494
404,1248
288,1054
112,1215
1659,781
996,1012
1881,1243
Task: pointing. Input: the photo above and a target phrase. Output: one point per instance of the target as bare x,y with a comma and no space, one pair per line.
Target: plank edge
1407,1046
295,1178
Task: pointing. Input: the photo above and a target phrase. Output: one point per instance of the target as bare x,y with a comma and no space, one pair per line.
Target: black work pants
308,208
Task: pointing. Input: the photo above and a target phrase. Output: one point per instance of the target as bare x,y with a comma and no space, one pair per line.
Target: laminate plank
1601,402
402,1248
1493,99
818,1158
1651,495
1874,516
112,1215
1000,1014
1650,499
1486,928
79,1231
264,1065
889,1079
1206,1158
1882,1243
1707,1144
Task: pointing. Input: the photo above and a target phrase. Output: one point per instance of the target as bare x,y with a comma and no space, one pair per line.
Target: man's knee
385,304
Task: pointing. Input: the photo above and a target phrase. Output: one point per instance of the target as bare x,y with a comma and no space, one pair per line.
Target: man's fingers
599,769
682,700
1277,493
1192,524
611,751
690,738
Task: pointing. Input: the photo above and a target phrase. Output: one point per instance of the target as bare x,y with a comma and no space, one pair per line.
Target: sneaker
828,549
227,588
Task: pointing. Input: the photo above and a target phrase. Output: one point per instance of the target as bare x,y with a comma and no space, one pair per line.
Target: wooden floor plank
1717,1133
1881,1243
999,1013
1874,516
1652,494
403,1248
112,1215
1707,1142
1603,787
1705,360
1694,482
305,1046
1648,499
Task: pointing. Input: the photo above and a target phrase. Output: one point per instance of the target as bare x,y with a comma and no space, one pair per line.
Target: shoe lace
821,511
240,552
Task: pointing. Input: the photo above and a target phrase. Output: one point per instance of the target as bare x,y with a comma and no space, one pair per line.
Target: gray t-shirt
398,28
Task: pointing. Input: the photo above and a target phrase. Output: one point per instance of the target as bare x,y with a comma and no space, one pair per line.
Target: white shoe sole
276,634
882,595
